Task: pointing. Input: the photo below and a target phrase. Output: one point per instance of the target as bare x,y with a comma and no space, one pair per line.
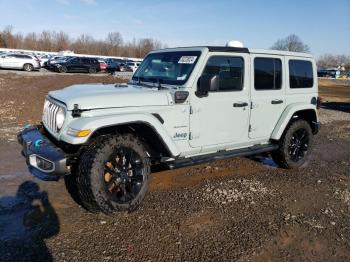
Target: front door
267,94
74,64
222,116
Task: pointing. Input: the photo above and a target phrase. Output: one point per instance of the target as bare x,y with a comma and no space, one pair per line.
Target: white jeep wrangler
182,107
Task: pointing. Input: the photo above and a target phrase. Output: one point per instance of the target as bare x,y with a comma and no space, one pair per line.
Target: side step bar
258,149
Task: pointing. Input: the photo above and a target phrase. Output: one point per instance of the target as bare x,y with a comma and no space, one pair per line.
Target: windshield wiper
158,81
154,80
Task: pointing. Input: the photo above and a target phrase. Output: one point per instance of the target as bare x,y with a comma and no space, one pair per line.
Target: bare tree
115,41
329,60
146,45
112,45
291,43
31,41
45,42
62,41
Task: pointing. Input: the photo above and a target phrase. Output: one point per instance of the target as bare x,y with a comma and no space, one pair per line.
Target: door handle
242,104
276,101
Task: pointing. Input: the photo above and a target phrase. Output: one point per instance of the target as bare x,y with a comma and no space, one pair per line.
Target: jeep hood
93,96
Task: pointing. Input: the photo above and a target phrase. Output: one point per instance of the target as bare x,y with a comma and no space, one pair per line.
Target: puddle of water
14,176
266,161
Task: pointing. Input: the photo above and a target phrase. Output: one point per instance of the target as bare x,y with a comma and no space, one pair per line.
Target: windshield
172,68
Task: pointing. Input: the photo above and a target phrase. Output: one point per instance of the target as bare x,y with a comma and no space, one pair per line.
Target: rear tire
113,174
294,146
92,70
28,67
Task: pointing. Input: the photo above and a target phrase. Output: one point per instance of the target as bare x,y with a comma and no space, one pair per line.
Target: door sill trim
220,155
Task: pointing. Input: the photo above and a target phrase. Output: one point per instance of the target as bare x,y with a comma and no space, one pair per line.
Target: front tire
294,146
113,174
62,69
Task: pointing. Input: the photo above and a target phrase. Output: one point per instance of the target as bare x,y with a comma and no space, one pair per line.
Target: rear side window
267,73
85,60
230,71
300,74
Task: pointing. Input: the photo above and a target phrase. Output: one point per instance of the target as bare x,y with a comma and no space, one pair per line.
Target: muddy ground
244,209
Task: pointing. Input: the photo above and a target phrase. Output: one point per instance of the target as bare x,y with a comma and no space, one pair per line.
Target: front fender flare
96,123
287,116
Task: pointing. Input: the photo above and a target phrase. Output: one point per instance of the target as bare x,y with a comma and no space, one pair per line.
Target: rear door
84,64
267,94
9,61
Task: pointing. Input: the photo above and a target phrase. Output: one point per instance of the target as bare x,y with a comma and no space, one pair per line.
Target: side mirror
207,83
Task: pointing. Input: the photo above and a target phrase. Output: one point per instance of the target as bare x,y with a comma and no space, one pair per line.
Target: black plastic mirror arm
201,94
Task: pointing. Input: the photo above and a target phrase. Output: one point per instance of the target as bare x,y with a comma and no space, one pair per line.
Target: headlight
60,117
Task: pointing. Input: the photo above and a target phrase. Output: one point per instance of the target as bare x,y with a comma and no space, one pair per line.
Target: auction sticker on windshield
187,59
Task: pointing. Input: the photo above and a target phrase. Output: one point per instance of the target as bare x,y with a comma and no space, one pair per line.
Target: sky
324,25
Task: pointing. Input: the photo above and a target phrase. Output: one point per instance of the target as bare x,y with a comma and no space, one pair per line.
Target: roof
237,50
279,52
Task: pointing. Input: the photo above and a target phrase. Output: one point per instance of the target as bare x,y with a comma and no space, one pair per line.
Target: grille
49,115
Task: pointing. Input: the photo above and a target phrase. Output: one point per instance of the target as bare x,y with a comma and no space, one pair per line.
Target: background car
43,60
19,61
78,64
116,66
123,67
103,64
133,65
52,60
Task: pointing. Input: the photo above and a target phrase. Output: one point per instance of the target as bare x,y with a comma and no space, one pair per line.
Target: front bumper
45,160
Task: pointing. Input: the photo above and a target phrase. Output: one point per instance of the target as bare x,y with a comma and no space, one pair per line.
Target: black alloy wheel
123,175
298,145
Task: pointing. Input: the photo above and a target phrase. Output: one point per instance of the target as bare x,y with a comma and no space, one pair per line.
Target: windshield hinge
191,110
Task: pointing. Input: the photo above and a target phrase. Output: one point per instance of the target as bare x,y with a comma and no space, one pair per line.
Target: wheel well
152,141
308,115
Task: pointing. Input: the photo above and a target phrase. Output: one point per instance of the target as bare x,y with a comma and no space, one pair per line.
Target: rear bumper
44,160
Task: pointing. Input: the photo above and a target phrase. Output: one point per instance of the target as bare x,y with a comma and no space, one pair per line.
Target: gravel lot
243,209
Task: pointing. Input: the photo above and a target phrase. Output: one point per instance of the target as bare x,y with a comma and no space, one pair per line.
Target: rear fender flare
287,116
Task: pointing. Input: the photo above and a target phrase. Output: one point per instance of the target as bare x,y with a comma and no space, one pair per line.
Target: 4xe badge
180,136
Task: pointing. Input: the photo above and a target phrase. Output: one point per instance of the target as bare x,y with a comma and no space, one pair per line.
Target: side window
229,70
267,74
85,60
75,60
300,74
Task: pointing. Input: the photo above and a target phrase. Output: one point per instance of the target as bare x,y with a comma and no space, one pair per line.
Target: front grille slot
49,115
